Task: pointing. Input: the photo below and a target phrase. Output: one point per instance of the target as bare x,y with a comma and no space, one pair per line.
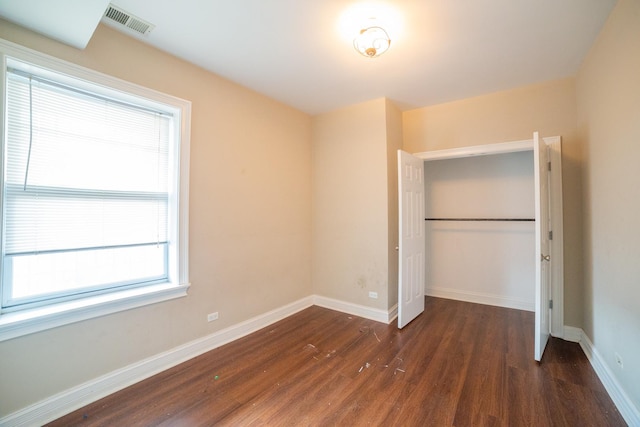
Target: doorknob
545,257
397,248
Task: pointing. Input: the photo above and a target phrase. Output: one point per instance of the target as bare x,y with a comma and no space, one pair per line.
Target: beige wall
608,89
514,115
394,143
350,204
250,222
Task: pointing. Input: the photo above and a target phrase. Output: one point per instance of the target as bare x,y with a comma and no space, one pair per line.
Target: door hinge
550,234
551,304
549,166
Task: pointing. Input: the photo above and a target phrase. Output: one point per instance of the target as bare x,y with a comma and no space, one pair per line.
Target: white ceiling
53,18
297,51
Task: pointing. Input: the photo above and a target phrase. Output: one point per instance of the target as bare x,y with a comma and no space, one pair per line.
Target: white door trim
477,150
557,243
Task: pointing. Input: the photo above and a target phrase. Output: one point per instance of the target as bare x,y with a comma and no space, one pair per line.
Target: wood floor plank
458,364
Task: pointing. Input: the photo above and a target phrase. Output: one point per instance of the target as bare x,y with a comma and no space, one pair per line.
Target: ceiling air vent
118,17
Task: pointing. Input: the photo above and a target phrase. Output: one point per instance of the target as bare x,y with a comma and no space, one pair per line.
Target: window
93,190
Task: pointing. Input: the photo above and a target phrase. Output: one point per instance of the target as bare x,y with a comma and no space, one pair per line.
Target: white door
411,234
541,179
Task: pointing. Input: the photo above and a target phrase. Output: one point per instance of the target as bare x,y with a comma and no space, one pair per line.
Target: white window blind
86,191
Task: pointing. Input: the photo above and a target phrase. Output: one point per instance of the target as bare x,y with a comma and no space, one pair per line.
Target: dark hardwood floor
458,364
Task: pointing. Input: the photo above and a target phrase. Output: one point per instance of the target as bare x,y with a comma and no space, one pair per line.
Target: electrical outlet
619,361
373,295
213,316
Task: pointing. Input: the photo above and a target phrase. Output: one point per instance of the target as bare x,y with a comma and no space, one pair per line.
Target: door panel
541,179
412,240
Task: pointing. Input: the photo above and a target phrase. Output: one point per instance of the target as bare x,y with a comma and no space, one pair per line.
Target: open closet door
412,241
541,161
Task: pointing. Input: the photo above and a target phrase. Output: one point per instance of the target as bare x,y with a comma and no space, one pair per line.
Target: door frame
556,245
554,145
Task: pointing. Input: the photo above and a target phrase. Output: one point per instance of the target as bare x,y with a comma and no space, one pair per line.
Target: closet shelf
480,219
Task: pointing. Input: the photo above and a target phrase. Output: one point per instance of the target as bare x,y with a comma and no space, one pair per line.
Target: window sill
20,323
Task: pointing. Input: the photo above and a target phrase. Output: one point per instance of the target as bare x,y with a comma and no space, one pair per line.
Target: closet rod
479,219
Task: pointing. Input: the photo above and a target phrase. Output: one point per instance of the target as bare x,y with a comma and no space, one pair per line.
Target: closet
484,224
479,229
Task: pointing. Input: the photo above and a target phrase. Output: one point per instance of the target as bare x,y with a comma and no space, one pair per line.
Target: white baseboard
572,334
393,313
357,310
69,400
480,298
625,406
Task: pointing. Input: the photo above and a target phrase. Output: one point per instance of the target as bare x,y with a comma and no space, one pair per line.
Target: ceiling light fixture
372,42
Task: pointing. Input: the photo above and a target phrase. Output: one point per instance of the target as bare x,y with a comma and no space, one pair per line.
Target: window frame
15,323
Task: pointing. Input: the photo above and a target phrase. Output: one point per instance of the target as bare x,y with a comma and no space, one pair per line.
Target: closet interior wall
471,259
